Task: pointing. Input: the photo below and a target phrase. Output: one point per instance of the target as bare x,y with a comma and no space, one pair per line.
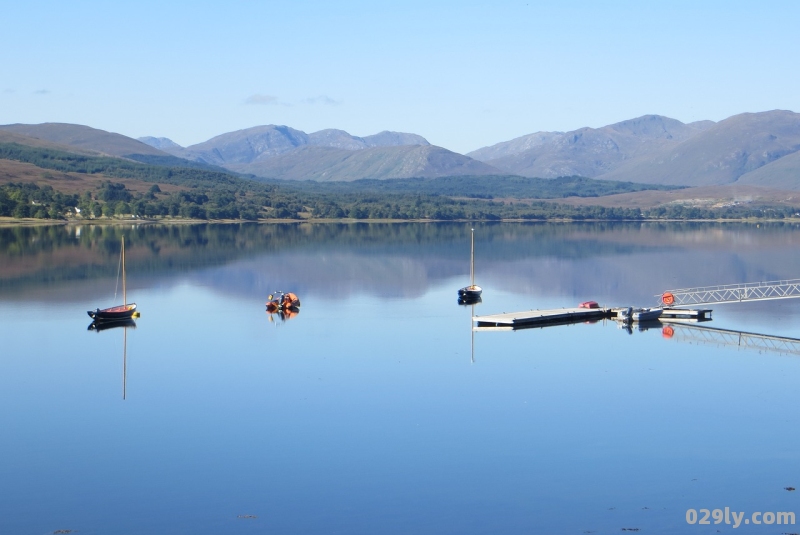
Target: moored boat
646,314
119,312
639,314
473,291
282,301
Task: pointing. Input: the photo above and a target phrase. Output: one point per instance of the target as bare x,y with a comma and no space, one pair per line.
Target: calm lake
377,409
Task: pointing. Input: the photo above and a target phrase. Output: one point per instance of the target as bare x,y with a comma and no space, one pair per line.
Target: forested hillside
202,194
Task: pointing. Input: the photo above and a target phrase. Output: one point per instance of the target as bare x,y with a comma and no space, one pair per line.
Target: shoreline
6,222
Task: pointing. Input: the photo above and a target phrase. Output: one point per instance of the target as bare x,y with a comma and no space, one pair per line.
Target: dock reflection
682,331
697,334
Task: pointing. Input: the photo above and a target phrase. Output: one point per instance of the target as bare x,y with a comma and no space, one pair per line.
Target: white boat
473,291
646,314
639,314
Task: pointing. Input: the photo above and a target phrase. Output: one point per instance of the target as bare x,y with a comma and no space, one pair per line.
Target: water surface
377,409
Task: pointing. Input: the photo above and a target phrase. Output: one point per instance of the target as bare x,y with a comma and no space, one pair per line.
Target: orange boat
283,302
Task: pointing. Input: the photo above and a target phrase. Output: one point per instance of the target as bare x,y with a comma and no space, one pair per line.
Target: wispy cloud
42,92
261,100
322,99
8,91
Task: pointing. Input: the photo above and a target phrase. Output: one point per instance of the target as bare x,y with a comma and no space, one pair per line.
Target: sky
462,74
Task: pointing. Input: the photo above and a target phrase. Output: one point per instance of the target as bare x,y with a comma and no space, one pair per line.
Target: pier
563,316
701,314
532,318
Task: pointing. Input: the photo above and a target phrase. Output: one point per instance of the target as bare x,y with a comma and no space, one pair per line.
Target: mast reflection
99,326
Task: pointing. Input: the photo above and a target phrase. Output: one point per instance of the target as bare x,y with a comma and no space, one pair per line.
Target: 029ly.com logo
737,518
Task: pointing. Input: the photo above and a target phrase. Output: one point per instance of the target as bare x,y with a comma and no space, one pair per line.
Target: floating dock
671,314
531,318
562,316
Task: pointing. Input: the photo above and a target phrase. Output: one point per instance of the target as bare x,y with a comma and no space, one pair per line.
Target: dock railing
731,293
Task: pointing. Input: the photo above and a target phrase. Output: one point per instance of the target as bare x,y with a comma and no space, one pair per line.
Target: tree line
209,195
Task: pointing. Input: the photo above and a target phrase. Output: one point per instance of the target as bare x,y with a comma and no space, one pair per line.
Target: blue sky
463,74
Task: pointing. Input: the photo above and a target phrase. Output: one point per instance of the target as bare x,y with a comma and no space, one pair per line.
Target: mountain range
744,149
284,153
759,149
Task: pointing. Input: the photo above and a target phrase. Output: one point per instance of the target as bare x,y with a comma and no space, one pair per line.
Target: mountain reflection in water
612,263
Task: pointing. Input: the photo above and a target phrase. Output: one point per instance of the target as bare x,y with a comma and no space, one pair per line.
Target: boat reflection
283,314
98,326
124,324
640,326
467,300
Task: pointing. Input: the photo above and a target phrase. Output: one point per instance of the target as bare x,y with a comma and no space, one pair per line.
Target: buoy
667,332
667,298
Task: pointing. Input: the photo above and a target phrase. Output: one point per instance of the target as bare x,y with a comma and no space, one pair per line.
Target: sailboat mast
124,294
471,261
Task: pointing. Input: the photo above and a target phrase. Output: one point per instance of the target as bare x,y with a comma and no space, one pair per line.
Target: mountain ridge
332,164
749,148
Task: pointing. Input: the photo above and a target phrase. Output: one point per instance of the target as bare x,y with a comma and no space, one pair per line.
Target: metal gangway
722,337
731,293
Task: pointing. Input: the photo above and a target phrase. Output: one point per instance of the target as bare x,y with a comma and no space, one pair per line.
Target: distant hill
590,152
263,142
515,146
10,137
320,155
748,148
394,139
340,139
161,143
721,154
783,173
85,137
245,146
332,164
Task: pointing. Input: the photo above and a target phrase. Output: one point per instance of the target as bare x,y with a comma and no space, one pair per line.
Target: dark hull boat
120,312
472,293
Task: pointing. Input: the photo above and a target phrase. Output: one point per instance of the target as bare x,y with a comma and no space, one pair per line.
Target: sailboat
473,291
122,312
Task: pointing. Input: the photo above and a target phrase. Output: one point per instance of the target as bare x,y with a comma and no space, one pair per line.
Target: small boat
285,305
639,314
473,291
647,314
283,301
122,312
